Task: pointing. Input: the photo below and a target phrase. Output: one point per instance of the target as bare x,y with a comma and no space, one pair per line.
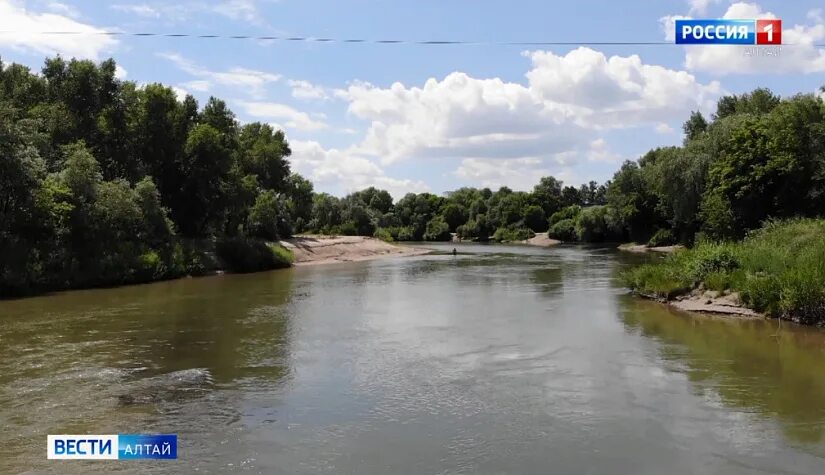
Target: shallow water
499,360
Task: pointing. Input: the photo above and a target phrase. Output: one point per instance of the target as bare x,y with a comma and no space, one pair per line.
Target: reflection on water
503,359
165,357
753,365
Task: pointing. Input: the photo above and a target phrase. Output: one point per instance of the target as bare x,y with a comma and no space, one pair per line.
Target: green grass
251,255
778,270
283,256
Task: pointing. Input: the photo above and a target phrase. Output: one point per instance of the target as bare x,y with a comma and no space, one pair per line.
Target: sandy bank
313,250
713,302
640,248
541,240
701,301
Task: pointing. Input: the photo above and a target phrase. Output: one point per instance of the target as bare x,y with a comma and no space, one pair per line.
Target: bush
564,230
437,230
250,255
384,235
512,234
778,270
658,281
571,212
598,224
405,234
662,237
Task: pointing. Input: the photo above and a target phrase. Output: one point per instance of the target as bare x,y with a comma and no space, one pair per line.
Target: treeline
104,182
471,213
759,157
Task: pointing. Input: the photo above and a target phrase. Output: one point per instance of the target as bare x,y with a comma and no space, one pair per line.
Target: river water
503,359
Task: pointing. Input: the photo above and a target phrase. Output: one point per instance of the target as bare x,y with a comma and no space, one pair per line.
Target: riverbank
541,240
777,271
316,250
643,248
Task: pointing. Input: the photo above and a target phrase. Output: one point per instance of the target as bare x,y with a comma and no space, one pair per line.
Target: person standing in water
455,252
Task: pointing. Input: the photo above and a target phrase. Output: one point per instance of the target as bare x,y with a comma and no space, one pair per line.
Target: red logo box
769,32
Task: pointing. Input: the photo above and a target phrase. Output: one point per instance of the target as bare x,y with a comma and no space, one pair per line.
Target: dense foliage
103,182
778,269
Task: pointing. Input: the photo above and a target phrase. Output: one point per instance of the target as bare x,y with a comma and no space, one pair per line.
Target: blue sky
433,118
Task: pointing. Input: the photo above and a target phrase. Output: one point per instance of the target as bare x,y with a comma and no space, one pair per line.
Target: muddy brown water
503,359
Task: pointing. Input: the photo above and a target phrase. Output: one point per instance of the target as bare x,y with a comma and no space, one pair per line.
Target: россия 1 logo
729,32
112,447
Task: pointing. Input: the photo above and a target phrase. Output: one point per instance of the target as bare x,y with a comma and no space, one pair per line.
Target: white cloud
180,92
121,72
664,129
517,173
281,112
817,15
239,9
198,85
798,53
63,9
599,152
567,99
25,29
307,90
249,80
701,6
141,9
346,169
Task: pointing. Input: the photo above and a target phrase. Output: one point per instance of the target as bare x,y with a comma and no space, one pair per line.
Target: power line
311,39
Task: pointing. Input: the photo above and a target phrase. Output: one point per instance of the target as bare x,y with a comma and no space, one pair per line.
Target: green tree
535,219
695,126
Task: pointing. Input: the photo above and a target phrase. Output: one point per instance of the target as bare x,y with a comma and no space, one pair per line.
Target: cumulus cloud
293,118
121,72
25,28
139,9
247,79
600,152
567,99
664,129
307,90
347,170
516,173
798,53
701,6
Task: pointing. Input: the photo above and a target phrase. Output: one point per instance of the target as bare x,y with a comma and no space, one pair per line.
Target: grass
778,270
251,255
283,255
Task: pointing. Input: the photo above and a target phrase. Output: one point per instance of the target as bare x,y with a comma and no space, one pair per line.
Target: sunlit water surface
503,359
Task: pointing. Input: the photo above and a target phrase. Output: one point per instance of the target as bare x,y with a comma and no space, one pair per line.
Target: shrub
778,270
571,212
662,237
564,230
383,234
437,230
250,255
512,234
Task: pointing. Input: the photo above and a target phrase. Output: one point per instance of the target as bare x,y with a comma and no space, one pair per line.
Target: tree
299,200
265,215
695,126
206,166
547,194
437,230
263,152
535,219
454,215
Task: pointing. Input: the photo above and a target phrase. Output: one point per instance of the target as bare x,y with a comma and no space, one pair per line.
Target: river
503,359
